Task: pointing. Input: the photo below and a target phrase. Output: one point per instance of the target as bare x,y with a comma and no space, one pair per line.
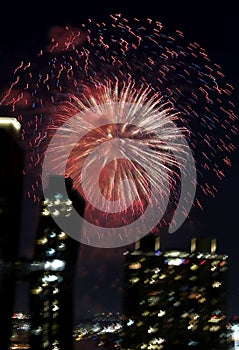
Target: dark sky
25,28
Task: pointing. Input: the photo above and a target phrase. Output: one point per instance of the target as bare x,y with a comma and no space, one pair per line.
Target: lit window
37,330
152,281
58,196
216,284
45,344
161,313
174,261
62,235
42,240
157,270
214,328
178,277
50,252
194,296
177,303
134,280
45,212
214,319
55,308
55,265
52,234
130,322
55,212
152,330
201,300
61,246
194,267
193,278
36,290
146,313
193,343
49,278
135,266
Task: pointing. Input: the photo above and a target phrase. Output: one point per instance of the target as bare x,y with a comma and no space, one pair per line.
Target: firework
137,108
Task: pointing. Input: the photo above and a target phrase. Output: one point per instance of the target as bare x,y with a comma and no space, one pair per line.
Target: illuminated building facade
52,276
175,299
11,185
21,325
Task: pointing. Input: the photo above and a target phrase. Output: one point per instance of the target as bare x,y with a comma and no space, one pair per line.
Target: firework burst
119,136
125,80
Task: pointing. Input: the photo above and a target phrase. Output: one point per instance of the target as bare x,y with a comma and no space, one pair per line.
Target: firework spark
125,80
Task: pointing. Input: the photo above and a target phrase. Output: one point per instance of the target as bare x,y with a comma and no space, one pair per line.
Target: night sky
100,273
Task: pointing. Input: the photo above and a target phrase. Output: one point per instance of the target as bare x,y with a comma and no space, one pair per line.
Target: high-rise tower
175,299
53,270
11,183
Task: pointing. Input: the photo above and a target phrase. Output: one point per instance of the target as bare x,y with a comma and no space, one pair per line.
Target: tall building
174,299
52,273
11,183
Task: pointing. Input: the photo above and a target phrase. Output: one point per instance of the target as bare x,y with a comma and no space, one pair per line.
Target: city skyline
219,216
162,288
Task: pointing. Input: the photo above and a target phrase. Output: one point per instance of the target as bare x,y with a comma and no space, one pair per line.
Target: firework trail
125,80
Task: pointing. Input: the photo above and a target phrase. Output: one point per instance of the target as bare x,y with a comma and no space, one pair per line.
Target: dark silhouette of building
52,272
174,299
11,182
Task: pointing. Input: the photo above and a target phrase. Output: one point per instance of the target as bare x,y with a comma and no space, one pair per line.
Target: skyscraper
52,276
11,182
175,299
